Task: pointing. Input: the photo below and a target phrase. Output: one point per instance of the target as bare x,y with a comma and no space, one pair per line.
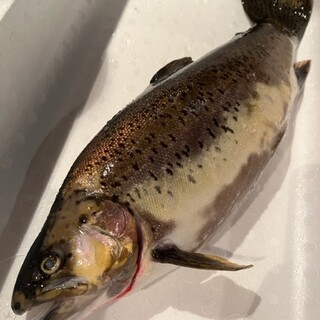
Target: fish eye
50,264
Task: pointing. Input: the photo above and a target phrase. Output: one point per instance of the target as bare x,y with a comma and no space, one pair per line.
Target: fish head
88,246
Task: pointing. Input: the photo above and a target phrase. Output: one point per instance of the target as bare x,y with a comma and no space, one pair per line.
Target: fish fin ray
302,69
169,69
171,254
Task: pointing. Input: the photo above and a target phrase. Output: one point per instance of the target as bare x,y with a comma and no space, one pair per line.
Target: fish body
159,179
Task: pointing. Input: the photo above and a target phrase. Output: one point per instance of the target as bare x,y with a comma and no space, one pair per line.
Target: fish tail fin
290,16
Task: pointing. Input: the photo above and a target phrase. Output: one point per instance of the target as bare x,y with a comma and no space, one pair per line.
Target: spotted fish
159,179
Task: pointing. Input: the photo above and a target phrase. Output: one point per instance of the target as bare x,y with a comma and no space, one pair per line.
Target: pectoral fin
169,69
302,69
173,255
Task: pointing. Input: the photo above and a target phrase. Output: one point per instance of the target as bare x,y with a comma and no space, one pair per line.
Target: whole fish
159,179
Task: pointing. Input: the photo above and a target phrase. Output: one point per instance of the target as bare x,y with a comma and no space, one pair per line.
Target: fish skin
147,145
185,153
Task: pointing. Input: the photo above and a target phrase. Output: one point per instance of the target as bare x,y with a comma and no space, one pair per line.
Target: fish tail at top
290,16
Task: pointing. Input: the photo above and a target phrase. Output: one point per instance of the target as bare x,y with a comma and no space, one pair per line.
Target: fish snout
20,303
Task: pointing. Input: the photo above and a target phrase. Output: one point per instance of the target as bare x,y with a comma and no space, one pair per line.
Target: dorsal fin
169,69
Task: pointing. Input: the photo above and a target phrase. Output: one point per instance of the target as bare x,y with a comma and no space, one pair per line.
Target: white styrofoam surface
58,88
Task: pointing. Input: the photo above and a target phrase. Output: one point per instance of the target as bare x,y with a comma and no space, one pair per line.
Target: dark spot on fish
170,193
125,178
154,150
114,198
227,129
133,141
200,166
103,184
130,197
152,175
224,159
152,135
170,164
136,167
151,159
211,134
169,171
130,154
218,149
172,137
201,145
136,190
83,219
122,145
179,164
216,123
148,139
178,156
138,151
185,153
225,109
236,141
115,184
235,118
191,178
163,144
158,189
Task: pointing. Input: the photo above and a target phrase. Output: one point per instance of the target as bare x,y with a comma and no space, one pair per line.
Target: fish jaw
98,254
22,302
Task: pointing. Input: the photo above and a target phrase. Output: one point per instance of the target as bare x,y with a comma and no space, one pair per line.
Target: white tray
58,88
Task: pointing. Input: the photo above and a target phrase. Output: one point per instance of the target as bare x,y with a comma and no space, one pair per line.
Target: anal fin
302,69
171,254
169,69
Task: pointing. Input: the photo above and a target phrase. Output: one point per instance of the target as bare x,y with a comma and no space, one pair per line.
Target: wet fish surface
159,179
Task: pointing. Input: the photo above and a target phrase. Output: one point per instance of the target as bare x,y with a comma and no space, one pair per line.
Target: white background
67,66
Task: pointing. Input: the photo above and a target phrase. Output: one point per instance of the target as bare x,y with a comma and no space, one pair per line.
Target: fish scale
160,178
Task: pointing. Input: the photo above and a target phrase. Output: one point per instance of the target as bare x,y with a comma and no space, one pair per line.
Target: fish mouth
65,287
65,284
